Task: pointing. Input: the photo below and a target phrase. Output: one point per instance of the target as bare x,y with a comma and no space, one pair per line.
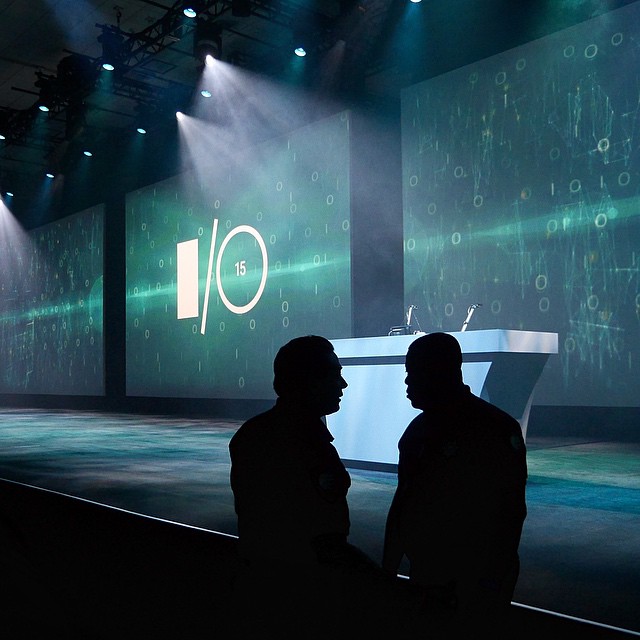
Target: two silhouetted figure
457,513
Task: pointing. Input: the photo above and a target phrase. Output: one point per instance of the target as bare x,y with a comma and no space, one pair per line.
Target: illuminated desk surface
500,365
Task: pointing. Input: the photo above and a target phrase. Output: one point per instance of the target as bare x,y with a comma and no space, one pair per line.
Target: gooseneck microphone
404,329
470,311
409,312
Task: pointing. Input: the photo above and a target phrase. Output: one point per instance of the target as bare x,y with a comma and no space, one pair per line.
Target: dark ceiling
55,48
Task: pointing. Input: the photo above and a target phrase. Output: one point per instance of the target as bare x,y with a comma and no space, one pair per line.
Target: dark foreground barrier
84,570
75,569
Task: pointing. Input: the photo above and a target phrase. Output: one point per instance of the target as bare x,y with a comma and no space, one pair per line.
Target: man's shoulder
414,429
254,428
481,407
495,420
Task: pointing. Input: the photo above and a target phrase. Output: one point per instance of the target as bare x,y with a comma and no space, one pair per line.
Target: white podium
500,365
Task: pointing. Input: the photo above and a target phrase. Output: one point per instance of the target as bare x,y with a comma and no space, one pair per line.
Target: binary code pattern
521,192
51,308
284,208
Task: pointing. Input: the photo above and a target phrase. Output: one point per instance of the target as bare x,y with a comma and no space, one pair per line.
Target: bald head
434,368
436,349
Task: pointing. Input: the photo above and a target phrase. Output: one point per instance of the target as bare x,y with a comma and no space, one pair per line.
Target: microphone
404,329
470,311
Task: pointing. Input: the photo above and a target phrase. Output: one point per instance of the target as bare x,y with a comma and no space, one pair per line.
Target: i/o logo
188,294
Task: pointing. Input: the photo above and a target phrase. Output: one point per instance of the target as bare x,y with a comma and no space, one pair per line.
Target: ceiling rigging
153,53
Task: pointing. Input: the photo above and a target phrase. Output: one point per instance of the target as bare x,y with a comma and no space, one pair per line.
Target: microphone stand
470,311
404,329
409,312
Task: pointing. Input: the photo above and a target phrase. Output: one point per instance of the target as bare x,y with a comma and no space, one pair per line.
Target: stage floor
580,549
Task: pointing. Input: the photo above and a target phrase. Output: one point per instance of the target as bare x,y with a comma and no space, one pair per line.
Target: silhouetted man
459,507
289,484
301,578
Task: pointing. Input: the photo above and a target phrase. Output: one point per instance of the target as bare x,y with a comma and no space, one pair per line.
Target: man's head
308,372
434,369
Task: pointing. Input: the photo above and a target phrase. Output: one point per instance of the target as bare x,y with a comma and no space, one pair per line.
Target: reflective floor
580,549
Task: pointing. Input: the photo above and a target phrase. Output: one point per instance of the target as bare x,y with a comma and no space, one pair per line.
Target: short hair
298,361
438,349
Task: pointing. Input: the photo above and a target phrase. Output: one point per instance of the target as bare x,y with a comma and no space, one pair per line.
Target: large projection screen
51,308
225,265
521,194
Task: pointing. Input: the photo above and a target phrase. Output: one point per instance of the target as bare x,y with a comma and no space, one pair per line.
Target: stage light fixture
301,42
191,8
205,93
88,154
112,47
47,96
50,175
147,115
207,41
9,194
241,8
76,74
2,137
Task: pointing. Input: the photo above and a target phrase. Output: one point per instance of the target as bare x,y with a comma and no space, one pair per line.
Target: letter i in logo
187,277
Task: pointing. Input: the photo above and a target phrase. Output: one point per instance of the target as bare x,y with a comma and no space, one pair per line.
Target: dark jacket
289,485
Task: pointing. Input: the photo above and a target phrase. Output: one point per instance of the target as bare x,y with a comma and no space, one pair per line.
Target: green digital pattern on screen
225,264
521,183
51,308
